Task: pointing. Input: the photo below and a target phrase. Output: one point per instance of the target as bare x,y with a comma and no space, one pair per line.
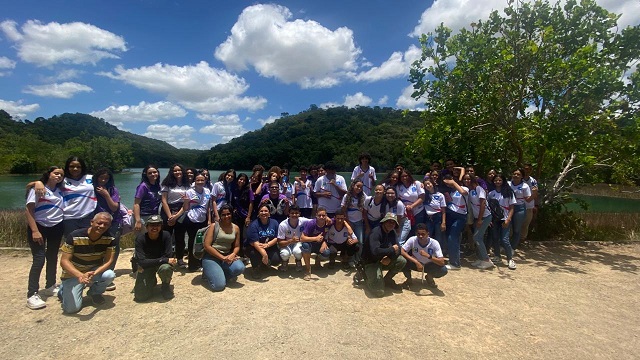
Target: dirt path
564,302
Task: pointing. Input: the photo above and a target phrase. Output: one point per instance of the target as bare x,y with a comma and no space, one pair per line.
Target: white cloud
383,100
6,63
71,43
397,65
63,75
229,130
298,51
197,87
144,111
16,109
268,120
220,119
405,101
351,101
64,90
178,136
457,14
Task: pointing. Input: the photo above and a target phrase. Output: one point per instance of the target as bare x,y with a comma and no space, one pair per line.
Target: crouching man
425,255
382,252
153,254
86,257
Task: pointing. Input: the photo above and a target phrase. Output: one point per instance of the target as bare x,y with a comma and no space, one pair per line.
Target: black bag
496,209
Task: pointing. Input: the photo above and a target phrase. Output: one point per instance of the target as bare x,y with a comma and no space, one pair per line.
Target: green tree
547,84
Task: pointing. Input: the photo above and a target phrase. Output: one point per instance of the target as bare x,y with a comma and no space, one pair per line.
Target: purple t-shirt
149,198
103,206
311,228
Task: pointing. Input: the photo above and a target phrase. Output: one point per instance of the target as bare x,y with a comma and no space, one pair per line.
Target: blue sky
198,73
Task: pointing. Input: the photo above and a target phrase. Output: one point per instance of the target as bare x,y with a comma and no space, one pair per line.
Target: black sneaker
166,292
98,299
392,285
407,284
256,273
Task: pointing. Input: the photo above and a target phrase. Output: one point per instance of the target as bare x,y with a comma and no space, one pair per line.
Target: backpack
496,209
198,244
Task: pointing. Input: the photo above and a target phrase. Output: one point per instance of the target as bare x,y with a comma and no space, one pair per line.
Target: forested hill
27,146
318,135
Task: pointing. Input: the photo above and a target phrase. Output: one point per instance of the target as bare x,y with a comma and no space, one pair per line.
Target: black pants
256,259
192,228
350,250
52,236
178,230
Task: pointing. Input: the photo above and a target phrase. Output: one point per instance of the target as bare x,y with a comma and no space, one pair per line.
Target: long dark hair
83,171
505,190
241,194
110,184
44,179
171,181
385,202
350,195
145,178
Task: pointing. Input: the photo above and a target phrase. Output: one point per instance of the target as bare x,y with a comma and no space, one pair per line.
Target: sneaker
166,292
496,259
332,264
283,267
35,302
298,265
181,264
391,284
484,265
407,284
476,263
512,265
111,287
51,290
256,273
452,267
430,282
98,299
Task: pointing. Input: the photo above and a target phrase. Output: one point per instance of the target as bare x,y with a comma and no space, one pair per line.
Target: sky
199,73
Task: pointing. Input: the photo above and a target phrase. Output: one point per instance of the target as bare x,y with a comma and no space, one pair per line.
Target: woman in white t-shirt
44,234
173,193
411,193
522,192
502,224
196,205
372,208
482,219
353,206
456,219
436,211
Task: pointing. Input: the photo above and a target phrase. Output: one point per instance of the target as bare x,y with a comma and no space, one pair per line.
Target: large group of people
396,224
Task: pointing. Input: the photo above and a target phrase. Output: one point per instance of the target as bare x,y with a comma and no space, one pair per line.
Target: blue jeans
115,231
52,236
501,237
519,215
218,272
358,230
71,290
421,218
405,229
478,237
455,224
433,225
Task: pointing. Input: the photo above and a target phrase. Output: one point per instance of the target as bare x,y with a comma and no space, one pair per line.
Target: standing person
256,183
353,206
289,241
482,220
302,188
86,257
109,202
523,194
372,207
207,176
191,175
392,205
260,246
456,219
340,237
382,252
277,202
221,263
531,204
472,171
329,189
425,255
313,238
147,199
242,205
174,190
436,211
287,187
44,234
313,177
411,193
196,206
153,257
365,173
222,191
503,194
392,179
490,175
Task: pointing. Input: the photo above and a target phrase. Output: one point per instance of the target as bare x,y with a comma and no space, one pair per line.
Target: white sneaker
111,287
452,267
512,265
35,302
484,265
476,263
51,290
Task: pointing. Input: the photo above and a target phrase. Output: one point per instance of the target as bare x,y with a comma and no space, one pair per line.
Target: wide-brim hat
154,219
390,216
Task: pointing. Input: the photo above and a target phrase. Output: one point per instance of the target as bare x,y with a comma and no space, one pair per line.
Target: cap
390,216
154,219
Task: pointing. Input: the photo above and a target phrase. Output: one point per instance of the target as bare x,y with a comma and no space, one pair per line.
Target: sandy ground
568,302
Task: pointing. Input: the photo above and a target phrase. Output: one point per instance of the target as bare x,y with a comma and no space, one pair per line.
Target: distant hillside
27,146
318,135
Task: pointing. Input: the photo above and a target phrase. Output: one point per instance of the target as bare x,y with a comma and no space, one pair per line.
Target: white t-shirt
458,203
505,203
411,194
397,210
198,204
436,204
79,197
477,196
353,212
219,194
48,209
533,185
373,209
521,191
366,179
303,194
331,204
175,195
339,237
412,246
287,232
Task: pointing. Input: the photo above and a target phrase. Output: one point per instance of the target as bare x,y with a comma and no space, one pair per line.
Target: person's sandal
307,276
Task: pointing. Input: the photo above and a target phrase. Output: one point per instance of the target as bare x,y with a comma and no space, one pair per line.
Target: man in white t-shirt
423,254
530,205
289,232
365,173
329,189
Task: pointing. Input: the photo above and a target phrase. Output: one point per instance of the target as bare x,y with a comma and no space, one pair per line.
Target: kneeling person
341,238
153,255
423,254
289,232
86,257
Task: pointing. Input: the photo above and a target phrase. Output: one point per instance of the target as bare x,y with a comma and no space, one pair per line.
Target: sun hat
390,216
